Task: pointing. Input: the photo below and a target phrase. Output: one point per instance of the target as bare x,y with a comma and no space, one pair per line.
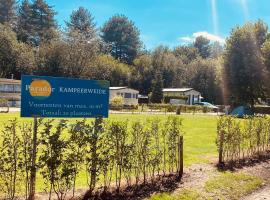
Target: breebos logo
40,89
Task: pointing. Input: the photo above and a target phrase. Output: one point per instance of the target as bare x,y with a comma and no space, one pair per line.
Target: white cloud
209,36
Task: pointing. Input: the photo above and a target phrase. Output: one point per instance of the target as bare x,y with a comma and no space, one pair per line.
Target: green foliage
107,68
8,12
55,160
157,87
26,151
181,108
81,21
10,160
123,36
243,138
43,23
24,26
203,77
16,58
223,186
186,53
244,69
203,46
3,102
117,102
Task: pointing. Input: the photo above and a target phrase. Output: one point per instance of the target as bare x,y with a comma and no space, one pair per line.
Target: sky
172,22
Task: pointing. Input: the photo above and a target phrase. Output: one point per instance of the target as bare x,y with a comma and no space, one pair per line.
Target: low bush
241,139
179,108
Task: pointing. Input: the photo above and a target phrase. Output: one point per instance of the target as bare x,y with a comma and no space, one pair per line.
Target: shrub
241,139
117,103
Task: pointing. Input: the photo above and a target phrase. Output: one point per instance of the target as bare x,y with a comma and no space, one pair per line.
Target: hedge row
179,108
108,151
240,139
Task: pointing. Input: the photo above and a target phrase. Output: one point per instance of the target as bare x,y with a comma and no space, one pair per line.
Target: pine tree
157,86
81,21
123,36
24,27
203,46
8,12
43,22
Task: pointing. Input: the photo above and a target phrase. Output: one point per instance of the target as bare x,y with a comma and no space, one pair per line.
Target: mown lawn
199,137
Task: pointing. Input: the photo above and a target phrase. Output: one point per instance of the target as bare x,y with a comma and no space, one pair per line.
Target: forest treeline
32,42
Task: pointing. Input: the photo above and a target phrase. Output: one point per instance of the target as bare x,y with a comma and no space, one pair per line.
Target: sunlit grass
199,138
232,185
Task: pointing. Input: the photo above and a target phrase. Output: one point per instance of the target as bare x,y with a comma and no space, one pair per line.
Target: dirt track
262,170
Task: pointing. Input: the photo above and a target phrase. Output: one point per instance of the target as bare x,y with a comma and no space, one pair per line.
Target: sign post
43,96
33,164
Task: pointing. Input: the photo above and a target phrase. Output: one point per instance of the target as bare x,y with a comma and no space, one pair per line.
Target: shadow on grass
166,183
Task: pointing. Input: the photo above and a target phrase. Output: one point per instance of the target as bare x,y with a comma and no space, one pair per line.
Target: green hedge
179,108
242,139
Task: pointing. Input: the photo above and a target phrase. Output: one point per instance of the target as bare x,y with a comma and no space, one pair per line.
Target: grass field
199,137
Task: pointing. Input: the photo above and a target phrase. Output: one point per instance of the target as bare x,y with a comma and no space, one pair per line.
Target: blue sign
43,96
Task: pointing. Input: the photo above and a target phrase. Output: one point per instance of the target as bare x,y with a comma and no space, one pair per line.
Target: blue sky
172,22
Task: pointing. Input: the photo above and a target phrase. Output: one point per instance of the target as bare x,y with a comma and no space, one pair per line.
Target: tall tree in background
15,57
82,22
43,22
8,12
203,46
142,74
24,26
186,53
203,76
123,36
157,87
244,69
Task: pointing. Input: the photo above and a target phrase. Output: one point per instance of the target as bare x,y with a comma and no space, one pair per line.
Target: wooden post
221,141
33,164
180,157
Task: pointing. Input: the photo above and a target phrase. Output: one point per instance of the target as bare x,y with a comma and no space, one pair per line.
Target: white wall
193,95
127,101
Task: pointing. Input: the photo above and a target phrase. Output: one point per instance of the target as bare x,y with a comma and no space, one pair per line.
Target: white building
190,95
129,95
11,91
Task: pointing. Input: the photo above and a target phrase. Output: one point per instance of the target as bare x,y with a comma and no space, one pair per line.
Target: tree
24,28
216,50
8,12
43,22
81,21
157,86
186,53
169,65
52,58
203,76
203,46
244,69
142,74
266,59
105,67
123,36
15,57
